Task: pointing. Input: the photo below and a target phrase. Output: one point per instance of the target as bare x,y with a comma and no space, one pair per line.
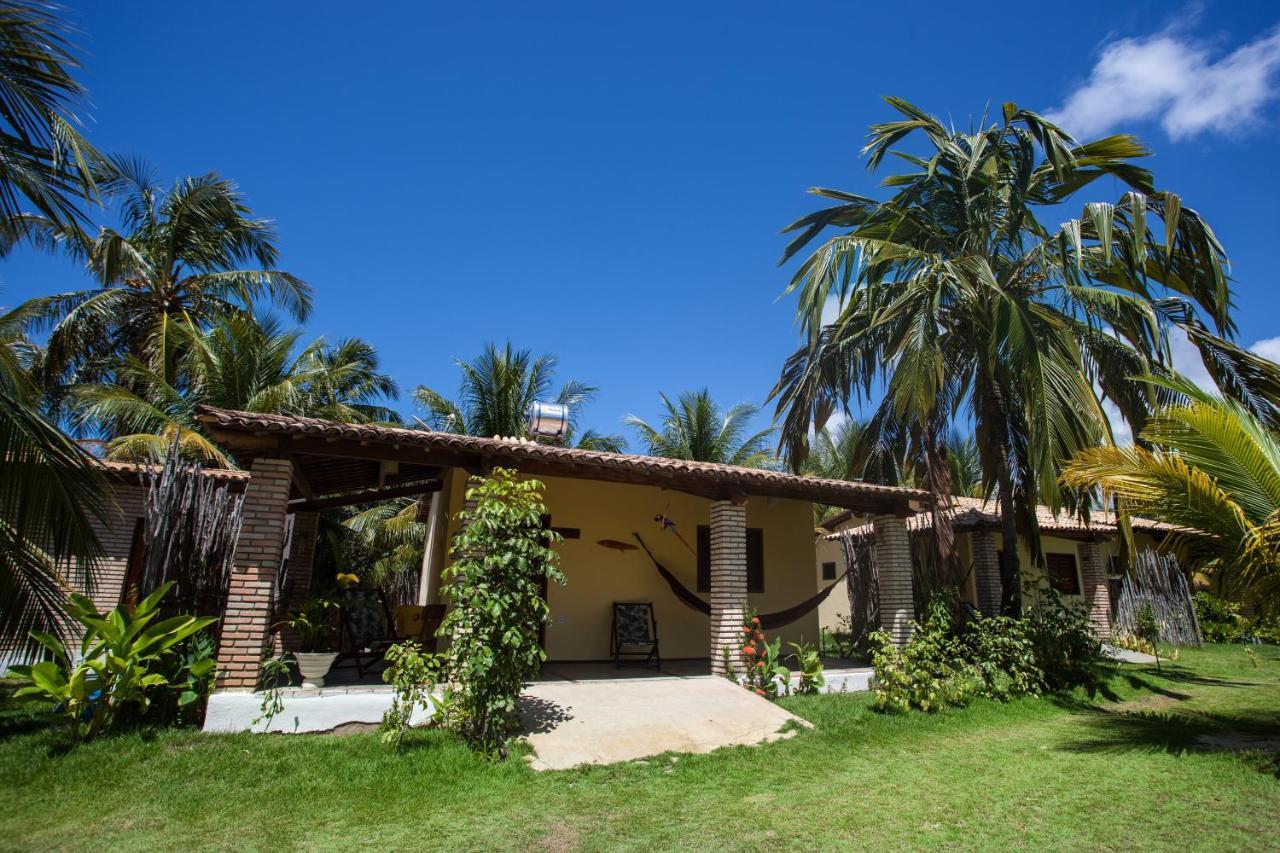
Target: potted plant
315,631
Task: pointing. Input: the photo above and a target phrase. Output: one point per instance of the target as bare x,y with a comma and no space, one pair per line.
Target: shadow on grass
1183,675
1177,732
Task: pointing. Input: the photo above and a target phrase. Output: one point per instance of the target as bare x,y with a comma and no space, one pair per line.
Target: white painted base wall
304,711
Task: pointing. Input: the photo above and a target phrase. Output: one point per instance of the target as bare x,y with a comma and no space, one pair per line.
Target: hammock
768,621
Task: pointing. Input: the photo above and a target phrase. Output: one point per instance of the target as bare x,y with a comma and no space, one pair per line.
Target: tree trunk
1010,580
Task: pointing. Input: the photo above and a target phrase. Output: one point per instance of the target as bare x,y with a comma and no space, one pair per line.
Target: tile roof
970,513
571,462
128,468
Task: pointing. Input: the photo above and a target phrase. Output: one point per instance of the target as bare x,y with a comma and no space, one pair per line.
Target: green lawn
1127,772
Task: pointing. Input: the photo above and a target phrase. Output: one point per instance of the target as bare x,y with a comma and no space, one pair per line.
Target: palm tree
49,487
185,256
238,363
965,465
49,491
44,162
1211,467
694,428
499,386
967,306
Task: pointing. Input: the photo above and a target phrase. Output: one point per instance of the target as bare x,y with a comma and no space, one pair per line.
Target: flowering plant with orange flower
762,672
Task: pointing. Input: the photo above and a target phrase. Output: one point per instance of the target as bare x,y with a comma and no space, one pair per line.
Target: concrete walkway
1126,655
606,721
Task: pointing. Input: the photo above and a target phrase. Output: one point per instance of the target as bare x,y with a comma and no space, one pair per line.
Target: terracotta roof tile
660,470
975,512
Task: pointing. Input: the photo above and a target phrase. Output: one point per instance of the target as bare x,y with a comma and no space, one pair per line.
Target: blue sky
607,182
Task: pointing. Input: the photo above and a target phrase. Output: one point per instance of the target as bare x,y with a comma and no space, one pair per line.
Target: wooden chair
367,628
634,633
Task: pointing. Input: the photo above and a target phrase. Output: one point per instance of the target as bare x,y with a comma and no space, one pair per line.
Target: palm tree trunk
1010,588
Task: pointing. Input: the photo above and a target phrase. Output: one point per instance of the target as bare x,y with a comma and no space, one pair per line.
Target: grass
1131,770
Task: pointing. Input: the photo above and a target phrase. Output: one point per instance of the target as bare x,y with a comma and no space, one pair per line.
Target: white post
433,546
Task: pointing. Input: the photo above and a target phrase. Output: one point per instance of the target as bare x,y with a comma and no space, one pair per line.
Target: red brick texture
245,626
986,570
728,579
893,568
1097,597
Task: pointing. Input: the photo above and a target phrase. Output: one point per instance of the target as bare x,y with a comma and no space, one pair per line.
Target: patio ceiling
336,461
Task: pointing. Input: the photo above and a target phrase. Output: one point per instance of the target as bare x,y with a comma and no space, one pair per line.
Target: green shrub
1068,655
497,607
123,660
947,663
1222,622
1003,653
929,672
412,673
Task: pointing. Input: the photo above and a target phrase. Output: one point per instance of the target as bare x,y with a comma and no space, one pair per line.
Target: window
755,559
828,571
1062,573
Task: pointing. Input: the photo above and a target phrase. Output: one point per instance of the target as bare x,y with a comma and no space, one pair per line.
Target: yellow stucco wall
836,607
581,610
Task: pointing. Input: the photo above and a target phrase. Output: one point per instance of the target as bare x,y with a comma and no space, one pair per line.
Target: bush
497,607
1067,653
930,672
124,658
1222,622
412,673
947,662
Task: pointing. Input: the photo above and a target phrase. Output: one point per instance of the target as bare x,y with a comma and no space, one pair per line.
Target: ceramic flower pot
314,666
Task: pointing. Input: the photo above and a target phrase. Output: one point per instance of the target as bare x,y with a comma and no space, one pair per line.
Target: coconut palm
44,162
193,254
499,386
239,363
965,464
955,295
49,492
49,488
1211,467
695,428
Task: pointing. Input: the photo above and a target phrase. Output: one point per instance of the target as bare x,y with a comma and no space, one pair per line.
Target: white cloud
1268,348
1187,360
1120,430
1173,78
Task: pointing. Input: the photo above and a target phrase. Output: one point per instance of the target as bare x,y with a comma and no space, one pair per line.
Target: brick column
245,625
728,579
302,552
1097,596
986,570
893,565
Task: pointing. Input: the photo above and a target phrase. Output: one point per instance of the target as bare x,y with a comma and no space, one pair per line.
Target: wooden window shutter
755,559
1062,573
704,558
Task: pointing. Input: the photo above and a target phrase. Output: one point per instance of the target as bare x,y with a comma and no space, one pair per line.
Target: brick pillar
728,579
302,552
1097,596
893,565
986,570
245,625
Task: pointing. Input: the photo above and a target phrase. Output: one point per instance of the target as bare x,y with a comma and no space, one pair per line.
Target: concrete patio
576,713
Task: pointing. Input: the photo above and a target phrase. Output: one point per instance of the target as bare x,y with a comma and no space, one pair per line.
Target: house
1080,556
745,535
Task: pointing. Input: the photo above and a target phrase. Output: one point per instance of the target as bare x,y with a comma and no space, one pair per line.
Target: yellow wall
581,610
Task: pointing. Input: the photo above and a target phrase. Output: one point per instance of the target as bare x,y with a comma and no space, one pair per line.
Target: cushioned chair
635,633
416,622
367,628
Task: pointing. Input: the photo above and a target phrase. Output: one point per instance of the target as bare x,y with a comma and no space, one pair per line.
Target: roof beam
366,496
